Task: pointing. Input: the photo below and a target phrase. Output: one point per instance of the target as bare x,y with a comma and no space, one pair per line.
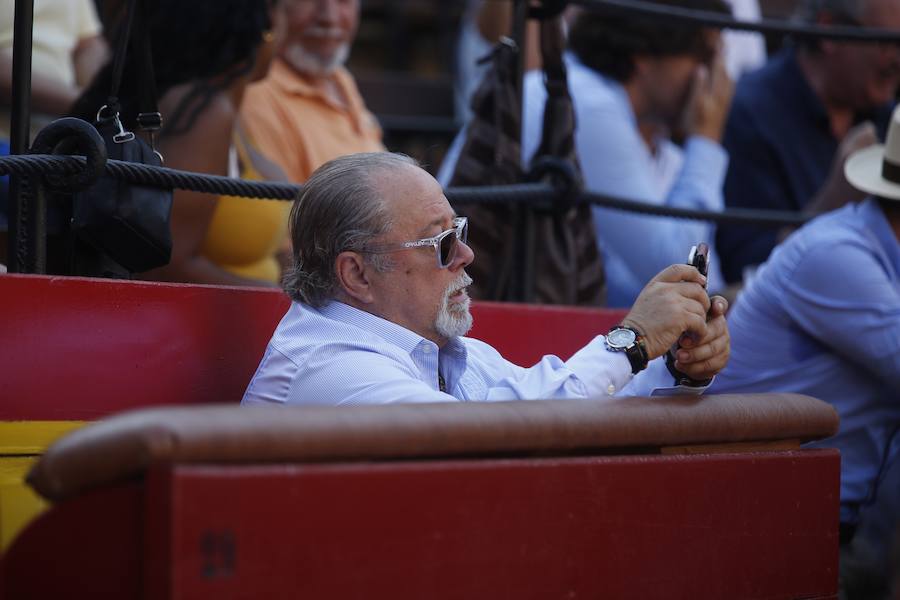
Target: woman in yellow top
246,235
205,53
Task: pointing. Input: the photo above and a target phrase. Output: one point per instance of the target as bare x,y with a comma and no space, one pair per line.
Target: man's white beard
309,63
454,320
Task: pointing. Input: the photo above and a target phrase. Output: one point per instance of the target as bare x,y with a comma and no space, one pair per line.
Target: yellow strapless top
245,234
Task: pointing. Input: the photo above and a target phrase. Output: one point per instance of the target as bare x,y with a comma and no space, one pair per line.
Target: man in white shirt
380,308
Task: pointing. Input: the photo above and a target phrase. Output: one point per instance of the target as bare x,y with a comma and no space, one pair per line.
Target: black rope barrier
678,14
767,218
213,184
140,174
541,195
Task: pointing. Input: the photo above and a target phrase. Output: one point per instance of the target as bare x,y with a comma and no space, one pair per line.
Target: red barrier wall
735,526
78,348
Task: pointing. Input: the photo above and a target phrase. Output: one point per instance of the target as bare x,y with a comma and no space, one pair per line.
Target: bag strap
112,102
149,118
136,36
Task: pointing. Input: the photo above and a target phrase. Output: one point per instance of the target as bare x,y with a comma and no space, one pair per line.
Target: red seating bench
77,348
542,499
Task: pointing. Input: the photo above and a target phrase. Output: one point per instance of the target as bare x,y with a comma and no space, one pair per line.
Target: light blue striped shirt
338,354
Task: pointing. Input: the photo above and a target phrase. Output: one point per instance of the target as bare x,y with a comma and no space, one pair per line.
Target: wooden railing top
125,445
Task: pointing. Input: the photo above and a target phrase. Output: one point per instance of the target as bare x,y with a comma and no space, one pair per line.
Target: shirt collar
615,88
391,332
291,82
455,348
400,336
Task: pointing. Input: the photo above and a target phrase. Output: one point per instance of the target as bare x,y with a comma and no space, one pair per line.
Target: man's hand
703,359
672,304
711,95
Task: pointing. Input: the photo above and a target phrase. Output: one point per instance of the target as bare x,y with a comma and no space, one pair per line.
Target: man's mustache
463,281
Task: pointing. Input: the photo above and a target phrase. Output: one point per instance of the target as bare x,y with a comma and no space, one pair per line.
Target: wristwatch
631,342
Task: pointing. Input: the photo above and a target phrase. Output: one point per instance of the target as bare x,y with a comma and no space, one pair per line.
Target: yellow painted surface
28,438
21,442
18,503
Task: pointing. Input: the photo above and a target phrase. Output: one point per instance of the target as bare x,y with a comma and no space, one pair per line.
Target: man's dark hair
609,42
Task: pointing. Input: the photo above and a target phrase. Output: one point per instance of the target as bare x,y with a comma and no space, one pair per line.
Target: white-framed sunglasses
445,243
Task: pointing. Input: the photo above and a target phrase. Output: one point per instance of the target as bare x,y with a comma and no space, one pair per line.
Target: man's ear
353,276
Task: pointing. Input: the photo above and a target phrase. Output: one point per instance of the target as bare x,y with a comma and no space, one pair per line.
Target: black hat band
890,171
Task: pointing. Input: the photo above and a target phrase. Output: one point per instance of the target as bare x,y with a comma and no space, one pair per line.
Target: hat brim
863,171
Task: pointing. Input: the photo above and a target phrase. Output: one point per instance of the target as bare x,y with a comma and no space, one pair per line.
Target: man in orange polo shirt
308,110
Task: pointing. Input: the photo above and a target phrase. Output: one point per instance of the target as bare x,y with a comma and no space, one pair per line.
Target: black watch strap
637,356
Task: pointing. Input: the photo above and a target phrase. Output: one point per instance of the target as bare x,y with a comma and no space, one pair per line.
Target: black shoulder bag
128,223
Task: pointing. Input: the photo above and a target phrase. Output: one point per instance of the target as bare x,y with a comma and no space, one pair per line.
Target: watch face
620,338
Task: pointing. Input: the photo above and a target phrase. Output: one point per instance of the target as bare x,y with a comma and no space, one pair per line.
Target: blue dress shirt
822,317
778,136
339,355
615,160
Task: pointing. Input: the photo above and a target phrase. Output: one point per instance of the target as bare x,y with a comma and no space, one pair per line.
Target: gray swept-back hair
339,209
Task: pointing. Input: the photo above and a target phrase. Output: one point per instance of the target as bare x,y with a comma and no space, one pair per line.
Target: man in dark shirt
793,123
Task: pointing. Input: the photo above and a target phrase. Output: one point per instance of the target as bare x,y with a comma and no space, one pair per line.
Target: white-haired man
308,109
380,308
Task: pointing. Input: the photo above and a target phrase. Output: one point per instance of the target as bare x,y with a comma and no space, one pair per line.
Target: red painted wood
78,349
88,547
737,526
525,333
695,527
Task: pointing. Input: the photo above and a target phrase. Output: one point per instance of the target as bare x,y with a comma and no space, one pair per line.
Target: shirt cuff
602,371
681,390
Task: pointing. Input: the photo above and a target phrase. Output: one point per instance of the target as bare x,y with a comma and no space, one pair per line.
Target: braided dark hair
207,43
609,42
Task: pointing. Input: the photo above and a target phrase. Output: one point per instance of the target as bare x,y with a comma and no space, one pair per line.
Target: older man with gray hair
380,309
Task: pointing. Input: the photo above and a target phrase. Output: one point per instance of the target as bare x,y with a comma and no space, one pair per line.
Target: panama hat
876,169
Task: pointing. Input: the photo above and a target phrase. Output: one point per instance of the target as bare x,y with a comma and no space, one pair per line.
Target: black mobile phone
699,258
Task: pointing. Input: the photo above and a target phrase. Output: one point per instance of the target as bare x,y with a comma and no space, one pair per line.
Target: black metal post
519,25
21,216
522,280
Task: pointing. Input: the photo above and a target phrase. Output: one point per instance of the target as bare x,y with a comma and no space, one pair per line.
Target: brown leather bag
543,255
